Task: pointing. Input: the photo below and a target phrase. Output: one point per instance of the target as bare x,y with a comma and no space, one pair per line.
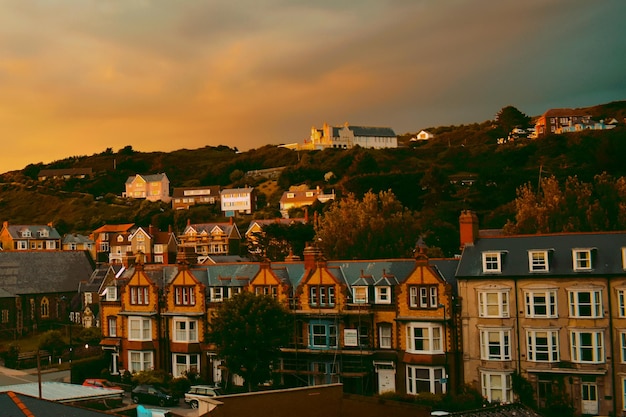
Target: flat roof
62,392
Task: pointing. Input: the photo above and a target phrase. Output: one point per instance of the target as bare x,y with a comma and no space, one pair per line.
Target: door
589,398
386,372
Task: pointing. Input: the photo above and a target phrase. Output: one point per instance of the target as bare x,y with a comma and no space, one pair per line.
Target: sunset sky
80,76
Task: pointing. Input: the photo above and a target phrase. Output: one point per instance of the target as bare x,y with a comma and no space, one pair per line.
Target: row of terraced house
550,307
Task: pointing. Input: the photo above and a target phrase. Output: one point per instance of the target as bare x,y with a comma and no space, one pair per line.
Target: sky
80,76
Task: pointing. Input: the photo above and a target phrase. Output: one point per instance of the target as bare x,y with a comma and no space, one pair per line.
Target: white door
589,398
386,380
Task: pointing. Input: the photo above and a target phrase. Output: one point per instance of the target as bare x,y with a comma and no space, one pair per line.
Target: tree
379,226
52,341
248,331
510,117
276,241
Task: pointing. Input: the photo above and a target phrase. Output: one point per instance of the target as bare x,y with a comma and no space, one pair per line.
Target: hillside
426,177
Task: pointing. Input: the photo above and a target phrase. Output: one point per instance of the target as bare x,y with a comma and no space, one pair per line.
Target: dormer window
26,233
538,261
360,295
581,259
44,233
110,293
291,195
492,262
383,295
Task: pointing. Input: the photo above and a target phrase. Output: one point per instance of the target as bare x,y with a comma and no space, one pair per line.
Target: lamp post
69,320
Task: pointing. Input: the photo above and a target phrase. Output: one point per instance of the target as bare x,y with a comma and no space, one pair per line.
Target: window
621,303
587,346
266,290
22,245
139,328
139,295
140,360
44,233
541,303
538,261
495,344
158,248
493,303
88,298
585,303
45,307
383,295
112,326
26,233
496,387
582,259
543,345
184,363
120,238
217,294
424,379
185,330
51,244
424,338
384,336
423,296
110,293
158,259
360,295
323,335
184,296
491,262
322,296
5,316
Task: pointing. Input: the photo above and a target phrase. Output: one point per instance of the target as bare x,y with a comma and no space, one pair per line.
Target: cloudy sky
80,76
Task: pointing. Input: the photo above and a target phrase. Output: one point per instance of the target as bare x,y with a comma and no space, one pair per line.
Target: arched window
45,307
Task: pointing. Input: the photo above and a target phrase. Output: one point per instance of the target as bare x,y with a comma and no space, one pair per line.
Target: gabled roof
354,270
565,113
212,190
279,220
229,229
606,254
236,190
76,238
148,178
40,272
16,231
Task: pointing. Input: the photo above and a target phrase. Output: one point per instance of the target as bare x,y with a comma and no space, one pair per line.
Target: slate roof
16,404
40,272
213,190
148,178
353,270
226,227
606,258
76,238
15,231
366,131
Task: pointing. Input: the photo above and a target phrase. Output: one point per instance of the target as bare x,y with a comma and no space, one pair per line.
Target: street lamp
67,302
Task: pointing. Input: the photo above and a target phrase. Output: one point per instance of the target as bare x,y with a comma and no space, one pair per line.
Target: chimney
468,225
311,255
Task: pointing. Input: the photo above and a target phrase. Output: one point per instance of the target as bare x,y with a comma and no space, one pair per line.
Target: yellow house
154,187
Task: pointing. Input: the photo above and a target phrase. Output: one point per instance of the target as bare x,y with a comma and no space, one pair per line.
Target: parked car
100,383
150,394
197,392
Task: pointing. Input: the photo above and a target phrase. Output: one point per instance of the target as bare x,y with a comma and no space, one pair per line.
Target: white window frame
537,349
22,245
139,329
383,295
217,294
581,259
180,369
144,358
51,244
360,294
533,300
538,261
185,330
112,326
622,339
385,334
435,376
492,262
486,304
621,303
594,304
596,346
431,337
496,337
111,293
489,385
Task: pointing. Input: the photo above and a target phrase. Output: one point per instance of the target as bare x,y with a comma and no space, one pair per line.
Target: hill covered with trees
462,167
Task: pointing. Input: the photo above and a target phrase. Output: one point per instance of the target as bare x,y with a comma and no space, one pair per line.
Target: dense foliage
248,331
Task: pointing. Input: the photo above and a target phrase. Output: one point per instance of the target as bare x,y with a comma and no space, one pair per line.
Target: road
23,376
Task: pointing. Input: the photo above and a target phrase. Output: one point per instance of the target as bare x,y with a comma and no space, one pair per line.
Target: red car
100,383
